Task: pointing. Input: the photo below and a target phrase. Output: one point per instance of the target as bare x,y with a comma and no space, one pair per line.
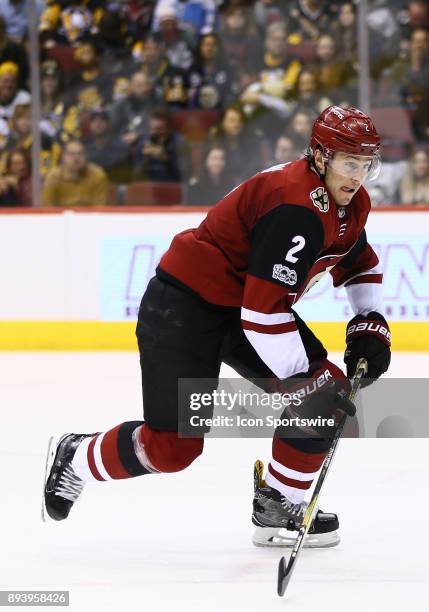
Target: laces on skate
69,485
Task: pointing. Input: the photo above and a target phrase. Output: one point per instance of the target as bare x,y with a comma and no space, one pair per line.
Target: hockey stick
285,571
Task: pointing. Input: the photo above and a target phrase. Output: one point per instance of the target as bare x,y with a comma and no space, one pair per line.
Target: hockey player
224,292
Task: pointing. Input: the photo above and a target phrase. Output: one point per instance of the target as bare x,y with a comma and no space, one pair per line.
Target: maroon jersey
265,244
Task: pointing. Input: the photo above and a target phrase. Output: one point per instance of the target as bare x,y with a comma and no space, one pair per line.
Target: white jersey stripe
284,353
289,473
98,460
266,319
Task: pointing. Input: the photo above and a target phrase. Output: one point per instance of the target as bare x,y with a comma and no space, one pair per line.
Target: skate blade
283,538
50,456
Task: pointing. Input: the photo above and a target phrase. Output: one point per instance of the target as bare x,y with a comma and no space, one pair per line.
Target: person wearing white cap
177,41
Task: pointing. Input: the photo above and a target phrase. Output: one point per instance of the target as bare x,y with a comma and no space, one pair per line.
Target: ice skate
62,487
277,520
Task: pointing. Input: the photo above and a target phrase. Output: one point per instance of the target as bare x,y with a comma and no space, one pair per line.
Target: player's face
345,174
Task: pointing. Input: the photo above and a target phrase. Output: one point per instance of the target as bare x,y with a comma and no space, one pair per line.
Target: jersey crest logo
320,199
284,274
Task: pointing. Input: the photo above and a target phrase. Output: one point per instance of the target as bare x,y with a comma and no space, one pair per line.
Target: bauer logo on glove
369,327
368,337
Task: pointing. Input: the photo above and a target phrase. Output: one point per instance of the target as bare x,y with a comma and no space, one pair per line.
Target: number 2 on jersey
299,241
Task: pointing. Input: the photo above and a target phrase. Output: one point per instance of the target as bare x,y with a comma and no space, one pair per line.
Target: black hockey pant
181,336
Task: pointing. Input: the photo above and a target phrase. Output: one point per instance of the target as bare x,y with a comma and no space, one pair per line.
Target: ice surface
181,542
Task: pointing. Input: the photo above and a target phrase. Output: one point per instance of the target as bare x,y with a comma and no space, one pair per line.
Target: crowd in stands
173,101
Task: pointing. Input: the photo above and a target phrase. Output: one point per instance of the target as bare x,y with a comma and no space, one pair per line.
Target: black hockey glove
324,387
320,393
368,337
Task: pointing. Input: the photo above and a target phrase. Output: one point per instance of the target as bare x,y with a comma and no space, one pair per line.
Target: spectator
268,12
4,141
196,17
68,23
176,41
306,94
139,16
232,135
299,129
309,19
265,101
405,80
52,98
21,137
277,68
170,83
129,116
105,149
15,184
113,39
284,151
384,36
346,33
20,127
200,17
414,186
160,153
212,182
93,87
211,80
75,182
10,94
384,189
414,16
241,43
335,76
15,14
11,51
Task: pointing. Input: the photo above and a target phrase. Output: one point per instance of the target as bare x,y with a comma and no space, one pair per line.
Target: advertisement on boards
129,263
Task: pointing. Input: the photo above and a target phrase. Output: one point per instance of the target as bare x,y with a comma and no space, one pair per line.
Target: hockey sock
115,454
132,449
291,470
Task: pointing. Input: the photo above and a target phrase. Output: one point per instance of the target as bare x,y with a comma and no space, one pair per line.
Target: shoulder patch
320,199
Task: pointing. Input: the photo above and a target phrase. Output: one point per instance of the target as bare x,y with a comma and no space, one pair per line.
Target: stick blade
283,577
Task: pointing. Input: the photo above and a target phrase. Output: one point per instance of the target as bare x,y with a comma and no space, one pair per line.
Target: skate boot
62,486
278,520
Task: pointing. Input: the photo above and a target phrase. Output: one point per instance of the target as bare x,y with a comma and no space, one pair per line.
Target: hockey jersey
265,244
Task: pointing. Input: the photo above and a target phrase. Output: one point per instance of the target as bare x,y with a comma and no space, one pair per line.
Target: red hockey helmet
347,130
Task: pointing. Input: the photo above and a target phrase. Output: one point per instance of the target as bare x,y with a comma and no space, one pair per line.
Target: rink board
73,280
119,336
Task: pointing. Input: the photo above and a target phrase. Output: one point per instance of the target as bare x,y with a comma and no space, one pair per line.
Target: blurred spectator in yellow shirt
75,182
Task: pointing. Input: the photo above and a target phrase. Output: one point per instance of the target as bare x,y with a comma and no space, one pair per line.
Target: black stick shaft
285,571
